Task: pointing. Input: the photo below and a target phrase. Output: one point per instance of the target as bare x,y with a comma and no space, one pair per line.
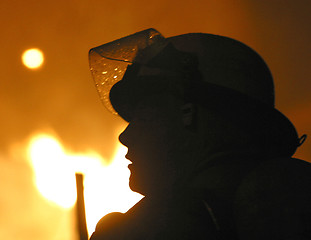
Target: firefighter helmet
211,70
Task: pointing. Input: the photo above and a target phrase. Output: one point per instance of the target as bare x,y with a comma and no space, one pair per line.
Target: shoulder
134,224
109,221
272,201
113,225
108,226
180,219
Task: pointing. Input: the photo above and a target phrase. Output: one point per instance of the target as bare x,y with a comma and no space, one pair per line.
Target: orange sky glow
53,123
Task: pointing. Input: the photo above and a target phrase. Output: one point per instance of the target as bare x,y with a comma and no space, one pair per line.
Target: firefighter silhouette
209,150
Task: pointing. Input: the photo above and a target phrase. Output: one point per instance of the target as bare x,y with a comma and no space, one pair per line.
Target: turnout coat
231,198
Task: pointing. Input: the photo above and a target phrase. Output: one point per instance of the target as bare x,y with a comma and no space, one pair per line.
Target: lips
127,156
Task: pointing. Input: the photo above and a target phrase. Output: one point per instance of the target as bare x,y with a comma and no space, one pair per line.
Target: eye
144,114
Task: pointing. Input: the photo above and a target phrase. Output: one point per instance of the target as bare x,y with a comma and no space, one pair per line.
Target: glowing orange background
61,95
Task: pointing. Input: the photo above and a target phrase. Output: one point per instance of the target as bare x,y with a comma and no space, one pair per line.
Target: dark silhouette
208,149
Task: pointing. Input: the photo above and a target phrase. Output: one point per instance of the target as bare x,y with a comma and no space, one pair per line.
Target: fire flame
106,187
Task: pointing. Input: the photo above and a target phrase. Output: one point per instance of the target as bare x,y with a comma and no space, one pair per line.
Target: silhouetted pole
81,208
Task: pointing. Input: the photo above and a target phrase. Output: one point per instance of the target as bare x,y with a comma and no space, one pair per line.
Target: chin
137,189
134,186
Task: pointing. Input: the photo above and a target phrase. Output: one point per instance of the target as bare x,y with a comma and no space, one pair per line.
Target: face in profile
151,141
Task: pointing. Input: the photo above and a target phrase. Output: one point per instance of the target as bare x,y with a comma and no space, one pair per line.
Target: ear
188,115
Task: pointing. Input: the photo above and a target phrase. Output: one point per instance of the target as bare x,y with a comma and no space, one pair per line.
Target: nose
124,136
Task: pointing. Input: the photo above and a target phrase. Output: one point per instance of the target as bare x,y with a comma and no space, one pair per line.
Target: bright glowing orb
33,58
